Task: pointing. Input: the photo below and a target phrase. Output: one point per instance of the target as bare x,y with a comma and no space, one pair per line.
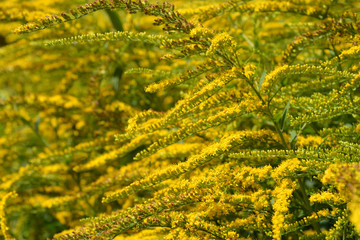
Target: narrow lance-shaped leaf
283,117
262,78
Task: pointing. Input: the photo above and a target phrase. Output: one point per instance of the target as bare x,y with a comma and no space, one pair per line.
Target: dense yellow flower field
135,119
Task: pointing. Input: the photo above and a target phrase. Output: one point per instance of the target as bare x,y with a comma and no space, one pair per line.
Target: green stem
76,177
337,56
306,202
278,130
268,112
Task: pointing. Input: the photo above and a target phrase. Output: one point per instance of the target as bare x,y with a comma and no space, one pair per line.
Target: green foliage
129,119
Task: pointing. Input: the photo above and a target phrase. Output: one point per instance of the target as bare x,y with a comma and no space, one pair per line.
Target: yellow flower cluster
346,178
3,218
220,44
104,159
325,197
287,168
213,151
282,194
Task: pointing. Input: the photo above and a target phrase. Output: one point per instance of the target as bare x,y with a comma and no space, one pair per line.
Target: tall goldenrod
135,119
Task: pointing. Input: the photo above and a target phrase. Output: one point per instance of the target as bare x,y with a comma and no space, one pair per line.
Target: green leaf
37,122
293,138
283,117
117,78
262,78
251,44
321,145
115,20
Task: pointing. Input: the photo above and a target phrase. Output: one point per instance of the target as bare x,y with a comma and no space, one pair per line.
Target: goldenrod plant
136,119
